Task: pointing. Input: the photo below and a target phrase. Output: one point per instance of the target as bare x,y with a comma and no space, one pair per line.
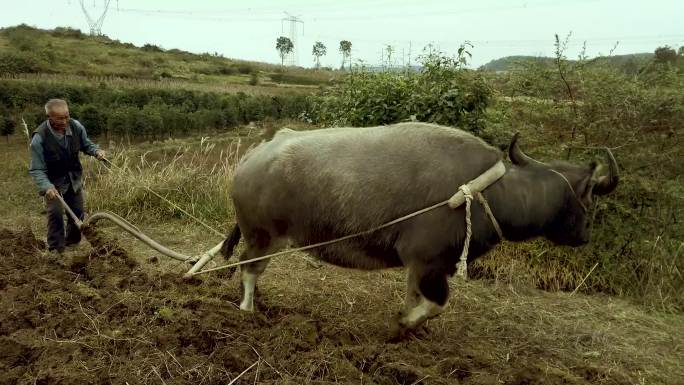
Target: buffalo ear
514,151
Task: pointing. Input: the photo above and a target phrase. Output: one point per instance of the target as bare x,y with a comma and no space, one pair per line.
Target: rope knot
466,191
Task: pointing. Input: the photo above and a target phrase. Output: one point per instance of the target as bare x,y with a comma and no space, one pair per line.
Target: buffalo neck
524,202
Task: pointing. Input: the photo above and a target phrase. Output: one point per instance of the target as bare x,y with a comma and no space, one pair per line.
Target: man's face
59,118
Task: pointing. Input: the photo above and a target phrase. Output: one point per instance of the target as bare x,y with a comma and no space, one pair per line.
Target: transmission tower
96,24
292,59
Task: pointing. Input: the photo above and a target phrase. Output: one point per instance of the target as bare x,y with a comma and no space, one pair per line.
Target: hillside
67,51
628,63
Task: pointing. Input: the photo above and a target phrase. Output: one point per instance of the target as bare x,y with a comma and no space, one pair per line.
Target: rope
571,189
462,266
186,213
390,223
490,214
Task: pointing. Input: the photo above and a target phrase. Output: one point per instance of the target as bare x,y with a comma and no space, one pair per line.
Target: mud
99,317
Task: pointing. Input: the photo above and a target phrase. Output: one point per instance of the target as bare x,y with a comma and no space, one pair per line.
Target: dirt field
104,316
120,314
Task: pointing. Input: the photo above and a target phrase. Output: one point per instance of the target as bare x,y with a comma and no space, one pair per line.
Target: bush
245,68
21,62
254,79
225,69
444,93
292,78
7,126
151,48
93,119
68,32
147,113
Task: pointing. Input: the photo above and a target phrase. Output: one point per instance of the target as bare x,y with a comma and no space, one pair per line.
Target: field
119,313
176,124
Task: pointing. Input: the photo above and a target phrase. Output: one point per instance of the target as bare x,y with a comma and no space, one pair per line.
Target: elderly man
56,170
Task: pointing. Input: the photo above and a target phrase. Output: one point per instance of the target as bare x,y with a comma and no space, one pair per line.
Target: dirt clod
22,242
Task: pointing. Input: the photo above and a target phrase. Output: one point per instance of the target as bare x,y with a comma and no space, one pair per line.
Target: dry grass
195,175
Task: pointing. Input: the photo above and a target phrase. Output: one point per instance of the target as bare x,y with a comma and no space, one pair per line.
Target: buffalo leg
412,292
250,274
259,245
430,299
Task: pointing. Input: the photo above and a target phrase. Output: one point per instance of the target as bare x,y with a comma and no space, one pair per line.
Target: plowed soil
99,316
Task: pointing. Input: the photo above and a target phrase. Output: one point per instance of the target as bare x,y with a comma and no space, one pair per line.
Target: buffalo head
571,189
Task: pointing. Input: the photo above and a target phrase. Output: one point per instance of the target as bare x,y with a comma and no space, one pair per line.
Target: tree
318,51
345,49
284,46
665,54
7,127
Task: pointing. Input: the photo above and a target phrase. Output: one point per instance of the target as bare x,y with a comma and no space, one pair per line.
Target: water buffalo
312,186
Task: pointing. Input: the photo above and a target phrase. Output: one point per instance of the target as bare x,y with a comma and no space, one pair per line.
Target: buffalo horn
607,183
517,156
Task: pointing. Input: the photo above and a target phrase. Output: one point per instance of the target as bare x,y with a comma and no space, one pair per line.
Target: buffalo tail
231,241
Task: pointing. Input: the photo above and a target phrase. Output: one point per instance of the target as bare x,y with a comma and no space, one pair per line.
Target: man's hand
100,155
51,193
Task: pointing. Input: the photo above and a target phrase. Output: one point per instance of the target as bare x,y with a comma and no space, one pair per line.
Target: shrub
148,113
21,62
93,118
68,32
7,126
151,48
254,79
444,93
245,68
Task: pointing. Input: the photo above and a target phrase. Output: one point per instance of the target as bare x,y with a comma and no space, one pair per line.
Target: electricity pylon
95,24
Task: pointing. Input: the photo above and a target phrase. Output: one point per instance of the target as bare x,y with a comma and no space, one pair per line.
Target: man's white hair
54,104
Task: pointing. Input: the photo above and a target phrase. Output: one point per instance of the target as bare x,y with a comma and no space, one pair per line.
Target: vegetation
7,126
630,63
65,51
144,112
444,92
575,108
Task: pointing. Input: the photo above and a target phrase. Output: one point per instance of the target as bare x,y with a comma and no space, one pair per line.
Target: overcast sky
248,29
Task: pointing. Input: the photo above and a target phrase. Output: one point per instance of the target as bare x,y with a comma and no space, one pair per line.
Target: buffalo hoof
399,331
